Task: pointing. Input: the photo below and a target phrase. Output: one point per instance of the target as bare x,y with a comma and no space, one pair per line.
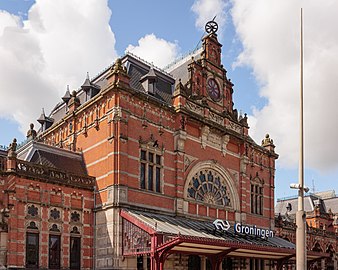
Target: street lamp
301,262
297,186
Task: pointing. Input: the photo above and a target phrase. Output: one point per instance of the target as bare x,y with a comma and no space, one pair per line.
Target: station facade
144,168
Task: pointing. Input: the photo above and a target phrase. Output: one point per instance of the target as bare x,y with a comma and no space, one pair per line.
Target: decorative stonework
180,137
32,225
32,210
54,228
116,113
205,130
225,140
188,160
195,108
75,216
55,214
216,118
235,127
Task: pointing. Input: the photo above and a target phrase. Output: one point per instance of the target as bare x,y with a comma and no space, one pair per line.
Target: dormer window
89,88
149,81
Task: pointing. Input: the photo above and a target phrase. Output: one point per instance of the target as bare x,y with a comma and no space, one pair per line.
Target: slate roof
53,157
136,69
179,70
322,199
57,161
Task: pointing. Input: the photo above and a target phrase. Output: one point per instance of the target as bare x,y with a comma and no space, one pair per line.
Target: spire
42,117
66,97
90,88
45,121
87,82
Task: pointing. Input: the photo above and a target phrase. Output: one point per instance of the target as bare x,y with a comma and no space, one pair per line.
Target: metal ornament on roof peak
211,27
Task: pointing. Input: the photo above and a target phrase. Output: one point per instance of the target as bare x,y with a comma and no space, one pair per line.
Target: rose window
208,187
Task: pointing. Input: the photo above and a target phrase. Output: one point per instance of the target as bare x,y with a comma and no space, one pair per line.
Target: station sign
253,230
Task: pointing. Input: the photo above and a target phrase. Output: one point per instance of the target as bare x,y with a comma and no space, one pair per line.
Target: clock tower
205,91
208,82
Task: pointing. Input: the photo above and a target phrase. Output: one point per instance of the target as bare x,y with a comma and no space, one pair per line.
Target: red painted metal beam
137,222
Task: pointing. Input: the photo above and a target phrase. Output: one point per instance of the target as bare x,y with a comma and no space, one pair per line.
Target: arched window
208,186
75,249
32,246
210,183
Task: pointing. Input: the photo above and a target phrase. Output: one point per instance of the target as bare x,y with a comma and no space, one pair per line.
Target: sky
46,45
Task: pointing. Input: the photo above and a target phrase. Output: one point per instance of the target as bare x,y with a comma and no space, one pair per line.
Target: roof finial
211,27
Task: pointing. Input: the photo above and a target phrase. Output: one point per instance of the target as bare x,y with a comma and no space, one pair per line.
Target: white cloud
59,42
156,50
206,10
269,32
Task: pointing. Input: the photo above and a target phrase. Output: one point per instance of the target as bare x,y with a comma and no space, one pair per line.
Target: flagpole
300,215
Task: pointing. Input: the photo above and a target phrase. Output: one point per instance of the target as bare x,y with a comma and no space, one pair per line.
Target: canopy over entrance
161,235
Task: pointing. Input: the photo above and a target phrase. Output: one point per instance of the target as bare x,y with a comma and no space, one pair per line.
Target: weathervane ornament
211,26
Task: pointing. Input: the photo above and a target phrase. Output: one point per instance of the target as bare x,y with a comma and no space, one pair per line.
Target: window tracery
209,187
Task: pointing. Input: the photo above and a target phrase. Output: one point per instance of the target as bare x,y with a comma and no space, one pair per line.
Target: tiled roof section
195,228
56,161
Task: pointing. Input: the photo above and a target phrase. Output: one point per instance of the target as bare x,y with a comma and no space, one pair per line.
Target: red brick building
321,218
46,212
179,183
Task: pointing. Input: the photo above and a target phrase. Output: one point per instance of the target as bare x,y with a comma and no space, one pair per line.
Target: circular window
213,89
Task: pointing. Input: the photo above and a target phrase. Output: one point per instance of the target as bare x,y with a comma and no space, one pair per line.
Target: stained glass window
208,186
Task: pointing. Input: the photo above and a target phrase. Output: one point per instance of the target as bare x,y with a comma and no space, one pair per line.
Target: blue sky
260,53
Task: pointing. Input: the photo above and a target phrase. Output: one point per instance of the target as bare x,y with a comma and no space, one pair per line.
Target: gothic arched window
209,187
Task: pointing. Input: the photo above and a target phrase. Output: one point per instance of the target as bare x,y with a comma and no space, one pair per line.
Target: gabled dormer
66,96
149,81
89,88
45,121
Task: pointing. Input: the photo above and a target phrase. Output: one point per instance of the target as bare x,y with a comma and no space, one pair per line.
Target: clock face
213,89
